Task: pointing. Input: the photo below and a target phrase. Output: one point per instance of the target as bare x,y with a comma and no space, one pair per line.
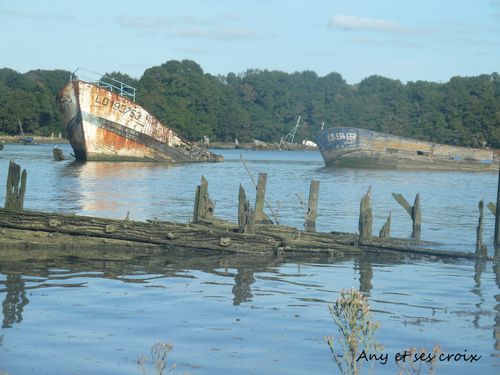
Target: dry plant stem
413,368
274,213
304,206
351,315
159,356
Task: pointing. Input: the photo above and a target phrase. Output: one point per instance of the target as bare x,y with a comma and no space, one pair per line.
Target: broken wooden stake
492,207
414,212
58,153
16,187
365,217
260,216
246,219
203,205
385,232
481,249
312,208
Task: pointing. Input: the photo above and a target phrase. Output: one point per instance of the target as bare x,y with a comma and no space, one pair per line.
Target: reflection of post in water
479,267
496,330
365,274
14,302
241,290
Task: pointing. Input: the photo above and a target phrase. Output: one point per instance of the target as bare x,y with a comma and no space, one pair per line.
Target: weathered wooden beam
312,209
403,202
492,207
16,187
203,205
417,218
260,217
365,217
414,212
385,232
481,249
58,153
41,228
496,235
242,208
249,220
246,218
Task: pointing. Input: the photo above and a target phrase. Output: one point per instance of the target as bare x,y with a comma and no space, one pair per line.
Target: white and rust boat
360,148
103,122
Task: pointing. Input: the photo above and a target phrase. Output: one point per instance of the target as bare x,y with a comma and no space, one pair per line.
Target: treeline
265,104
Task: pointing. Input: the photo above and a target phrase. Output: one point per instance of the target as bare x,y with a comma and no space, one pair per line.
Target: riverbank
37,139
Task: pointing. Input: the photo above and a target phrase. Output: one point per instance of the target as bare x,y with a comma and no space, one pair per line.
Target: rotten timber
203,205
385,231
365,218
414,212
312,207
16,187
28,230
481,249
58,154
61,231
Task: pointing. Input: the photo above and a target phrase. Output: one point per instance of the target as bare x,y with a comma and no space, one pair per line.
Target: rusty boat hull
360,148
103,125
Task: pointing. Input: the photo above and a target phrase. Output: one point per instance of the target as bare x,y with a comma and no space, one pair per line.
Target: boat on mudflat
103,122
360,148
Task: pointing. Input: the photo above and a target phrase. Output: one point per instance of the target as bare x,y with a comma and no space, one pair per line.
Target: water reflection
242,290
364,266
249,299
496,330
15,300
109,188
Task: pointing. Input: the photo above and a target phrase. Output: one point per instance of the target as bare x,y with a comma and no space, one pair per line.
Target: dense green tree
265,105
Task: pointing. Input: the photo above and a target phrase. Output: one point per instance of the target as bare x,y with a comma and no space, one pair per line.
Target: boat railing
106,82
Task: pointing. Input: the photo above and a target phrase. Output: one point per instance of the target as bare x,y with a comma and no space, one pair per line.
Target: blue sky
430,40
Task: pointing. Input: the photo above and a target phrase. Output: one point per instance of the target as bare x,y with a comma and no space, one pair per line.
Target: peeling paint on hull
103,125
360,148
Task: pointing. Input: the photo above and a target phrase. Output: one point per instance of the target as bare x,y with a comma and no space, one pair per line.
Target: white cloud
355,23
191,27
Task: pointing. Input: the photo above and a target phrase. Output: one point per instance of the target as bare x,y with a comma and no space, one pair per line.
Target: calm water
232,314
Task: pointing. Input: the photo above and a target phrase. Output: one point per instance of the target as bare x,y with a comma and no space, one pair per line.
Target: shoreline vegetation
265,105
255,145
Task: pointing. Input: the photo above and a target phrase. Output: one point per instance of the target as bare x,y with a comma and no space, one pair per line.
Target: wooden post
196,203
312,209
496,236
58,153
481,249
203,205
385,232
246,218
16,187
414,212
365,217
416,216
259,199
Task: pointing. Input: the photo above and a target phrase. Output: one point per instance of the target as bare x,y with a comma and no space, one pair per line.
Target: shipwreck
360,148
103,122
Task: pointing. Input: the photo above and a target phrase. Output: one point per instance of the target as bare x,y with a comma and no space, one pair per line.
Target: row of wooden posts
248,216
